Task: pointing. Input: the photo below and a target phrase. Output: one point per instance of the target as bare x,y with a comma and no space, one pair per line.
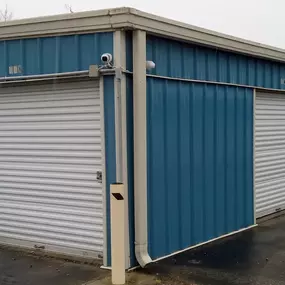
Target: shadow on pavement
256,256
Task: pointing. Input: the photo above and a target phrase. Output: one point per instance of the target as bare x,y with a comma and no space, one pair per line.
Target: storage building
198,141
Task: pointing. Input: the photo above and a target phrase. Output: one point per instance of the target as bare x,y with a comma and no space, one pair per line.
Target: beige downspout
140,148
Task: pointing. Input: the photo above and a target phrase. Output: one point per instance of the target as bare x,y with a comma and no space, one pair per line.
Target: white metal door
50,152
269,153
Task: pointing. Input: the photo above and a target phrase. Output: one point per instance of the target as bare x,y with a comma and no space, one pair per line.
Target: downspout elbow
142,255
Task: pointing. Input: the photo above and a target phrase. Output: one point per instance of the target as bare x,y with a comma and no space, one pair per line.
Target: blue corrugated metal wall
200,142
181,60
200,154
54,54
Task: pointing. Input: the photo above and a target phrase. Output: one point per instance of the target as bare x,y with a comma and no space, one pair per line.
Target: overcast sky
258,20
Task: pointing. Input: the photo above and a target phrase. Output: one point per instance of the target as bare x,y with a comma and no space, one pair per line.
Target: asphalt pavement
28,268
256,256
253,257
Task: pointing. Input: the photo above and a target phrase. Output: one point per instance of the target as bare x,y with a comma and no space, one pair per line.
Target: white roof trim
129,18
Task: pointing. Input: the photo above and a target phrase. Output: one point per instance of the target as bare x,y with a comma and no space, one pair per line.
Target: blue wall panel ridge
110,151
47,55
183,60
200,162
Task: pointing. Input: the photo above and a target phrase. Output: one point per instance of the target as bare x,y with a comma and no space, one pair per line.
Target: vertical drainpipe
121,127
140,147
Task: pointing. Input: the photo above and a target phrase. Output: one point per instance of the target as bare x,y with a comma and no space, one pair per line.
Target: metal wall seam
253,141
121,127
105,232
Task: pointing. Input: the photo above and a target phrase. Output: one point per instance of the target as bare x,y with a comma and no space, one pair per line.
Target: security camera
106,58
150,65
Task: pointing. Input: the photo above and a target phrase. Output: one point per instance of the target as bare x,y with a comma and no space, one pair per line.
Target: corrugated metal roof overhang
129,18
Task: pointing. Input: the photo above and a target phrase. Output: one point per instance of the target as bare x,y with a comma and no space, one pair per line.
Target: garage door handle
99,176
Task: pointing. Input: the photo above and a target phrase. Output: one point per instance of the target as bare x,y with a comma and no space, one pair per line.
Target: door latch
99,176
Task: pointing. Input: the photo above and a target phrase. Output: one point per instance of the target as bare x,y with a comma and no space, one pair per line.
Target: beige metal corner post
140,147
121,129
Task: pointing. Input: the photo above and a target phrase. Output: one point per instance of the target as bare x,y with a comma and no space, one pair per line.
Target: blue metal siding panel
161,55
230,160
183,60
47,55
212,65
177,62
252,73
242,70
276,82
172,170
240,126
233,68
198,162
189,63
185,156
31,57
88,49
201,66
129,50
156,177
110,150
13,53
209,160
260,72
3,68
248,142
223,67
54,54
199,150
220,158
66,54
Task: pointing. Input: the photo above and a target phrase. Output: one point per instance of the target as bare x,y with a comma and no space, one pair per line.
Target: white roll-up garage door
50,152
269,153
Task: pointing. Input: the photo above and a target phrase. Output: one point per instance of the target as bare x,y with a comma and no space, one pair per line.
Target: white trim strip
48,75
52,76
214,82
203,243
105,232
